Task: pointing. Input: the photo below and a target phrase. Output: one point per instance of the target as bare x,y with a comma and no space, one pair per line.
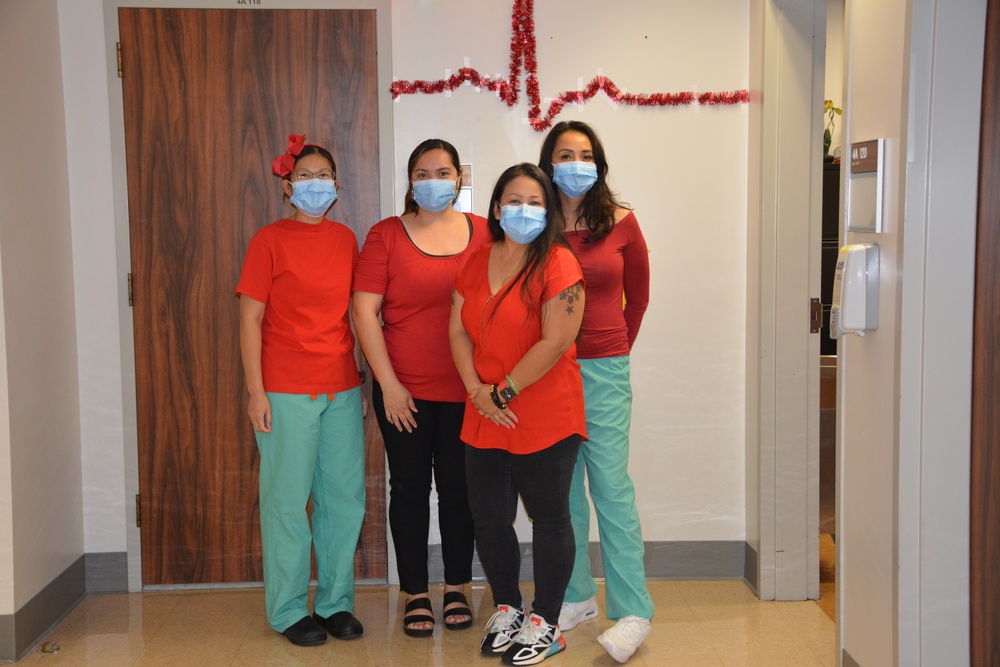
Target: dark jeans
543,479
433,446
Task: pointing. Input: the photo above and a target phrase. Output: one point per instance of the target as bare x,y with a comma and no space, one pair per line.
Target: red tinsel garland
523,52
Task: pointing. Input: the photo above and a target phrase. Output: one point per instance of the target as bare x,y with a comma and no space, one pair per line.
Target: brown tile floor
697,623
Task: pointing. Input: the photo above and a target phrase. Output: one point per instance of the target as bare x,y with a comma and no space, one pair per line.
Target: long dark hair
597,210
410,206
538,250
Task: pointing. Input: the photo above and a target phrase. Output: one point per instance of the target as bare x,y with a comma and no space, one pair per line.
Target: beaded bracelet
496,398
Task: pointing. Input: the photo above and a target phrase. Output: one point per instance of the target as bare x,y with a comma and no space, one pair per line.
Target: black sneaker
537,641
501,629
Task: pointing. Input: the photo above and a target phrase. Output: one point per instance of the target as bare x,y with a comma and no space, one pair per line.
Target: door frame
383,38
787,63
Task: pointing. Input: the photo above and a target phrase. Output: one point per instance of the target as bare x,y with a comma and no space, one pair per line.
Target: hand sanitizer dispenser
855,291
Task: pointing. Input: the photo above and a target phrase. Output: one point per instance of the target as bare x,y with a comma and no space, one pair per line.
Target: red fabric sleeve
635,277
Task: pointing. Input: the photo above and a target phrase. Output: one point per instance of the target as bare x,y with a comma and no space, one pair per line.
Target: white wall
41,524
93,214
914,76
868,376
684,172
939,239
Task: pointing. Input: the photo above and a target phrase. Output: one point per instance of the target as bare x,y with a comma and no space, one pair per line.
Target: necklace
503,281
517,262
513,267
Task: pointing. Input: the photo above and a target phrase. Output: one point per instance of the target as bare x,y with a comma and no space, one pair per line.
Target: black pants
434,446
496,477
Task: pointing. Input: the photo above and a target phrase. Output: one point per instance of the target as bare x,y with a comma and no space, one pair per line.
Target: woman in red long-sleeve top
606,238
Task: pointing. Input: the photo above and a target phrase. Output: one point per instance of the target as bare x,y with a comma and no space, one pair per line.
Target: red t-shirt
617,264
548,410
302,273
416,303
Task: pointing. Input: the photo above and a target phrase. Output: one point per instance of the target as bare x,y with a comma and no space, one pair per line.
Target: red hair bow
283,164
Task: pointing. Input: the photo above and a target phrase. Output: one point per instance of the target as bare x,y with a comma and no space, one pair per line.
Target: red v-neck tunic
548,410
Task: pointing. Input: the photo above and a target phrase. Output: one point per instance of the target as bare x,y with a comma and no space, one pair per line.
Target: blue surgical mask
313,197
434,195
522,223
574,178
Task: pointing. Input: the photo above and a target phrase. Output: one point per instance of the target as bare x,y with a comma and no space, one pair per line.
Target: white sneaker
537,641
501,629
624,637
573,614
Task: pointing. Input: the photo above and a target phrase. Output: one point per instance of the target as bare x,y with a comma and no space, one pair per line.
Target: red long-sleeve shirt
617,264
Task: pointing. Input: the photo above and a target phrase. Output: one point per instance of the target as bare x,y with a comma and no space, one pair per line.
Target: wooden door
210,98
984,581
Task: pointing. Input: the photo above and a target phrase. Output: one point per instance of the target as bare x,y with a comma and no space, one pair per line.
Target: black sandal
410,620
459,597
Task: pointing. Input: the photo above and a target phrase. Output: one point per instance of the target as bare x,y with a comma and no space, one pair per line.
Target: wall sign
866,186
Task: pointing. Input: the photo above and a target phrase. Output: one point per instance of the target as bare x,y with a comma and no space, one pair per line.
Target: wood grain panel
210,97
985,510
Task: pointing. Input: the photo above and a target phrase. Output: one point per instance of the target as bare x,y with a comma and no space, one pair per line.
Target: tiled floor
697,623
828,575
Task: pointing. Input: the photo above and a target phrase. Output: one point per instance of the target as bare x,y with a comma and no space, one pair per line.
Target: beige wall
869,367
6,482
914,73
41,522
88,138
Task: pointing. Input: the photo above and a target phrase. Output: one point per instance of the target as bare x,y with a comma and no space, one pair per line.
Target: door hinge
138,512
130,289
815,315
118,52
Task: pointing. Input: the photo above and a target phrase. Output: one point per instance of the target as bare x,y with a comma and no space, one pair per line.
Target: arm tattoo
570,295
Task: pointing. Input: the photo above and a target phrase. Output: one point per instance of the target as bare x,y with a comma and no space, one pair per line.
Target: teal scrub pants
316,446
603,459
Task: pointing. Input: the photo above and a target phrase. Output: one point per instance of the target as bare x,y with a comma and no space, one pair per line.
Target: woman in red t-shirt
301,366
607,240
516,311
402,298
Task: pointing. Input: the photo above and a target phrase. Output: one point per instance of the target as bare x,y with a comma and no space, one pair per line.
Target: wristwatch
506,394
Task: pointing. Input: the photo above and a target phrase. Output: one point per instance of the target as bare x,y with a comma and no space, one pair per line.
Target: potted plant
830,112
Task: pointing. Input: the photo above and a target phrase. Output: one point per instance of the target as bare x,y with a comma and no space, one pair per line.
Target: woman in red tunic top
402,298
516,311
